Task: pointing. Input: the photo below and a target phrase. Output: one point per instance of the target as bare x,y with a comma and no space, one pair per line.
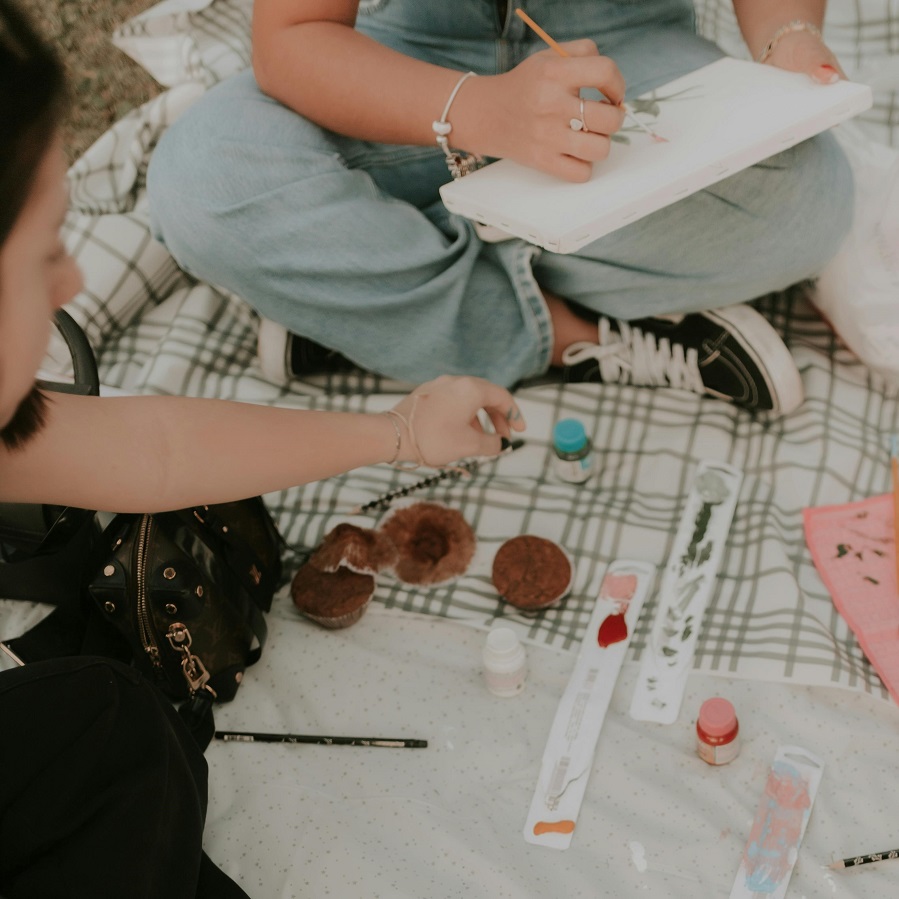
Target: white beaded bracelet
783,31
457,162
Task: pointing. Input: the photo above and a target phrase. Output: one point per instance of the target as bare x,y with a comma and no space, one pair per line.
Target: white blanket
445,822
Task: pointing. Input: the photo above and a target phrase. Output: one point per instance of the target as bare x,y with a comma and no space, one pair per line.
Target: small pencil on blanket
467,467
243,736
865,859
555,45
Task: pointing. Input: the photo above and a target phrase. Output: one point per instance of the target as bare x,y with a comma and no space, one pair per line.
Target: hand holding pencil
580,124
535,128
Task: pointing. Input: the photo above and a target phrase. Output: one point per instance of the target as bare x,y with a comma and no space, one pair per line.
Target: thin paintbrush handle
865,859
468,467
242,736
383,501
894,464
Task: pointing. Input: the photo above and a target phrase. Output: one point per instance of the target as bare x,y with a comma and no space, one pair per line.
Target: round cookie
532,573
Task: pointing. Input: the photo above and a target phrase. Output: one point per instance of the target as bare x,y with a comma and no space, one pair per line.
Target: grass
105,83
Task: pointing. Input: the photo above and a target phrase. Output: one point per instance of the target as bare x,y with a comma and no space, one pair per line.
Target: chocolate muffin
360,549
434,543
532,573
332,599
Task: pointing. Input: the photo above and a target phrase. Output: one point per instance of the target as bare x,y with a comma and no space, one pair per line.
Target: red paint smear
612,630
542,827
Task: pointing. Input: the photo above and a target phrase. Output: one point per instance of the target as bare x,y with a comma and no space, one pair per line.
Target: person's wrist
459,159
394,441
787,32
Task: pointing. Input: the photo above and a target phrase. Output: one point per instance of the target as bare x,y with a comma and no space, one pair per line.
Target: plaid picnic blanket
158,331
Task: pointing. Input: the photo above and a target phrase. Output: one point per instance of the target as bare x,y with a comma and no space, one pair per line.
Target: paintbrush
864,859
467,468
555,45
894,466
245,736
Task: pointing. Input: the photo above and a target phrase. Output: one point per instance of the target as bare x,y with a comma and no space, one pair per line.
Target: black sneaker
283,355
732,353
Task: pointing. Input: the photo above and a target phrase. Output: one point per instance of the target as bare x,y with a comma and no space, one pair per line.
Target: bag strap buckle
192,667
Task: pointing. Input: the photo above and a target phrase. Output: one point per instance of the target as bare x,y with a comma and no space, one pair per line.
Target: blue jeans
346,242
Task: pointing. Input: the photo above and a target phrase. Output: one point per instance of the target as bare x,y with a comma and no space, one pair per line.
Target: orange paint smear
542,827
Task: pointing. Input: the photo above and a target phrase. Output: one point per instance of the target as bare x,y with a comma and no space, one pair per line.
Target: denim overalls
346,242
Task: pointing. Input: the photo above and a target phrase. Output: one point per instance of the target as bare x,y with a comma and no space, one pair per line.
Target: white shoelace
630,356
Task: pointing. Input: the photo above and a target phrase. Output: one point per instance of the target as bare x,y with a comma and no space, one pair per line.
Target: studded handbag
187,591
181,595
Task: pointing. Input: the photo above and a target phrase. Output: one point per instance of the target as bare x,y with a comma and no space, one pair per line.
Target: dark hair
32,98
27,420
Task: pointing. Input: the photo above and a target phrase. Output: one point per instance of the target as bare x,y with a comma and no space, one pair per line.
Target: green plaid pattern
156,331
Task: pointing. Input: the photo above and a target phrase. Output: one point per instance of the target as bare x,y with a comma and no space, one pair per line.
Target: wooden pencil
541,33
555,45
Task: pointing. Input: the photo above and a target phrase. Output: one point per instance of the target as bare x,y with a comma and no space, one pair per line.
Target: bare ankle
568,328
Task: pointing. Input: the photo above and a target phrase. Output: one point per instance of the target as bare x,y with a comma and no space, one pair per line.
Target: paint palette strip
780,822
568,756
687,585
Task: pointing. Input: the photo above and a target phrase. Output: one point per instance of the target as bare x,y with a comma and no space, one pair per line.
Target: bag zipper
151,648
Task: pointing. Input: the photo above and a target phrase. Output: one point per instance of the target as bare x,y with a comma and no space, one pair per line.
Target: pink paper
853,548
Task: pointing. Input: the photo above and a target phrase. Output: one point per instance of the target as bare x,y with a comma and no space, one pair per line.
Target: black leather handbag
180,595
186,590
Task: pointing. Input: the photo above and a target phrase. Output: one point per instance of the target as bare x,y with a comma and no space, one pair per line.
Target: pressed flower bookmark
687,585
568,756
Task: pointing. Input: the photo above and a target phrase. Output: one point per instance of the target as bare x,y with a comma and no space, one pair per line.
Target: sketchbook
716,121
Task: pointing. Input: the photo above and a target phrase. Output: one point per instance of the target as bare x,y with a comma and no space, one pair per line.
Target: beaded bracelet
458,162
783,31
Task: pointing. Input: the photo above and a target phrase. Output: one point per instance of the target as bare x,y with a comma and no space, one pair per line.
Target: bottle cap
569,435
502,643
717,717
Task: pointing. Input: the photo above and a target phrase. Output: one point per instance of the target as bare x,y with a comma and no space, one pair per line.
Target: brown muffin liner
360,549
434,543
332,599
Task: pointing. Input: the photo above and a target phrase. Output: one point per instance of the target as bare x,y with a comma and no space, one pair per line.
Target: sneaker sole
766,348
271,351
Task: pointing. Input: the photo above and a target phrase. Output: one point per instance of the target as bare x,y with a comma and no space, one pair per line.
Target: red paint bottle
717,732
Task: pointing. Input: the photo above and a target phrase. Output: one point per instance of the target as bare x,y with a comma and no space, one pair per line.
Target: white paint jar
505,664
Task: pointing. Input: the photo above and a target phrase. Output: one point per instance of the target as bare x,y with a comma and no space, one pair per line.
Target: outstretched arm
797,51
149,454
307,55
